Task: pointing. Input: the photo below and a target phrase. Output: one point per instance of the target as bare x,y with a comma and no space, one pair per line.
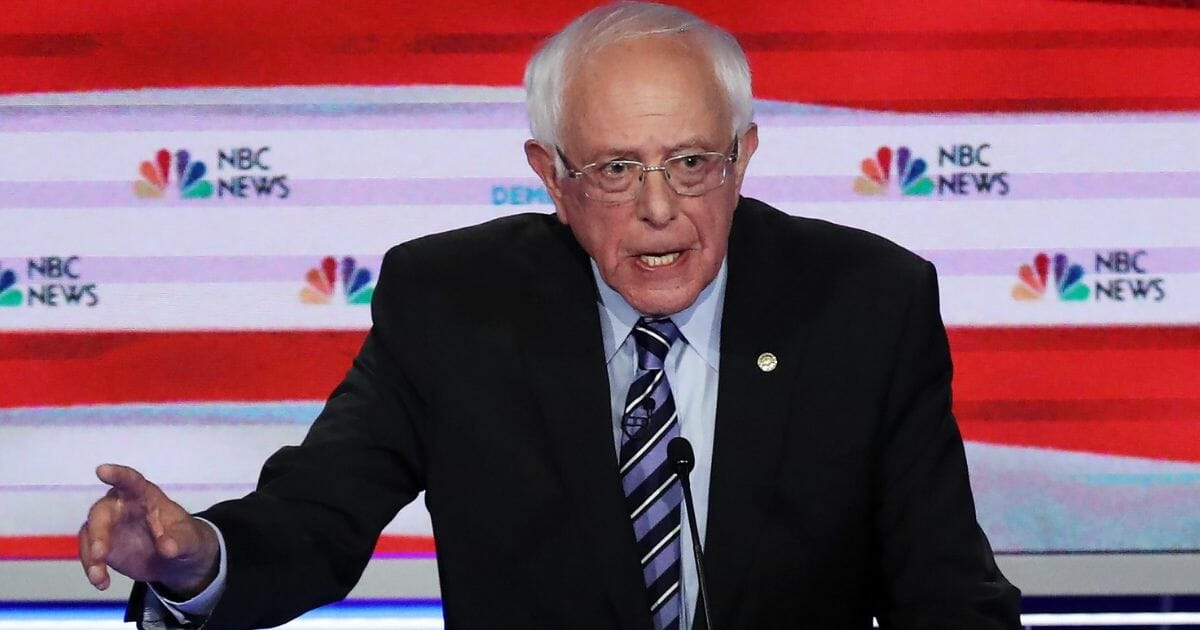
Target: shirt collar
700,323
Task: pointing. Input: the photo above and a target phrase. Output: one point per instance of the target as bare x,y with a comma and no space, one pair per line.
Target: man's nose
657,204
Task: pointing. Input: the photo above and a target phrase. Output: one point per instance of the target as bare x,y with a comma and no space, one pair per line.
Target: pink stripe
346,114
528,191
199,269
104,118
217,269
999,262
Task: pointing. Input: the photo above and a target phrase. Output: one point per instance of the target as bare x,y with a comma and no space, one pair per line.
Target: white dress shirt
692,367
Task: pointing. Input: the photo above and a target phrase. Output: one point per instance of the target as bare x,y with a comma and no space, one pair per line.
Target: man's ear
542,159
746,148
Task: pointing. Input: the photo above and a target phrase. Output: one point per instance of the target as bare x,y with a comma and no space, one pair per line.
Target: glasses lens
696,174
612,181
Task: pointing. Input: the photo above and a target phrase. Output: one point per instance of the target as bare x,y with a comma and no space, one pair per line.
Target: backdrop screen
185,271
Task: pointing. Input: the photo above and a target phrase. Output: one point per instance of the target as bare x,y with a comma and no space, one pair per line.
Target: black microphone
679,451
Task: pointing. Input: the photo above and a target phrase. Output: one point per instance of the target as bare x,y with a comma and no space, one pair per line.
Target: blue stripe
195,413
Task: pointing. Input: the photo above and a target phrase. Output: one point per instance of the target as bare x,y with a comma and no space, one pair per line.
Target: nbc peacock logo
355,282
877,173
180,168
10,293
1034,280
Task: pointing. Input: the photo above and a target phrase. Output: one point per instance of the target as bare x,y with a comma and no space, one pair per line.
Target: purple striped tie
652,489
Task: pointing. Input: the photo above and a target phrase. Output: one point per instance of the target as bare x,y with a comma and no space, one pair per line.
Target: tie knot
653,338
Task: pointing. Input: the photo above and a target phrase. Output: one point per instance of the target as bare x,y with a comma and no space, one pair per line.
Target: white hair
547,71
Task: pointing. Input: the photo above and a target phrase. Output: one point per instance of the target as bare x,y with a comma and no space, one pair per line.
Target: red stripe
1016,105
974,339
1097,373
56,368
405,545
1176,4
1160,429
1027,386
95,368
39,547
67,547
952,55
762,41
1102,410
1162,440
1127,390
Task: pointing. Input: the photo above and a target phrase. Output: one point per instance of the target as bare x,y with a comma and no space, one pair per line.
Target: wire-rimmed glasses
620,181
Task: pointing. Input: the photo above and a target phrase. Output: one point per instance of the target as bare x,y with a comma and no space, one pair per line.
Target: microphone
679,452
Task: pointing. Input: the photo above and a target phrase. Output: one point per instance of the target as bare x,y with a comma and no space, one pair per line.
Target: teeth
658,261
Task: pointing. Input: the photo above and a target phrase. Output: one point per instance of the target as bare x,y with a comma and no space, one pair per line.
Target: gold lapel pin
767,362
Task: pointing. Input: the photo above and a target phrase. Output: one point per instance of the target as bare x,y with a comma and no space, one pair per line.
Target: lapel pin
767,362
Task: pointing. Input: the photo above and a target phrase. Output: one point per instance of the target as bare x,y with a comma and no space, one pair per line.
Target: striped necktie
652,490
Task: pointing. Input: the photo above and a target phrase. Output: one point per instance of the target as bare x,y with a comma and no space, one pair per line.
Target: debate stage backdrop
195,198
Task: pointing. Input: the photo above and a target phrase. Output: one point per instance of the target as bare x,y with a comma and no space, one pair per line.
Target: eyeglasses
620,181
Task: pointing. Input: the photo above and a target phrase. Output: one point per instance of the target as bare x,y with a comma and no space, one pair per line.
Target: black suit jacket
839,487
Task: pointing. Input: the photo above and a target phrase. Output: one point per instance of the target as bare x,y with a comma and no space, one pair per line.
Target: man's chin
661,302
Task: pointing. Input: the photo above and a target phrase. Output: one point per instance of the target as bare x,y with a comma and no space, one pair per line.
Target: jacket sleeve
303,537
937,567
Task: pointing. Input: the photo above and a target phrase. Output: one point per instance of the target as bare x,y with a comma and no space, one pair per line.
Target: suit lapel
565,359
764,312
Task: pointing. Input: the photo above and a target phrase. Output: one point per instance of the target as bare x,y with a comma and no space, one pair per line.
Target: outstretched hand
140,532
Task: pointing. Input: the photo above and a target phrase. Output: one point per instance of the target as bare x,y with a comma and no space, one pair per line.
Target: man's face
647,100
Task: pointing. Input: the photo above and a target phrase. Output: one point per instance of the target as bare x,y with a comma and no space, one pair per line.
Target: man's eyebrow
615,153
694,143
689,143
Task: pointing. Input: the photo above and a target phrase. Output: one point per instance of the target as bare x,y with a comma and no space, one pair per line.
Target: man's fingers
134,528
165,545
154,522
128,482
99,526
93,567
174,540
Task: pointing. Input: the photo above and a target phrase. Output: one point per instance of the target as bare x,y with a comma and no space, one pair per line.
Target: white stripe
1037,620
1112,619
1097,620
62,624
662,543
352,623
655,335
653,495
367,623
649,388
665,596
653,440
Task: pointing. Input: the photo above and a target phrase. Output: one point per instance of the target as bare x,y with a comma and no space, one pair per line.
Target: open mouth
659,260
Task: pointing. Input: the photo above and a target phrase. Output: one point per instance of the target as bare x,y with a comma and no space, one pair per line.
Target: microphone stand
683,459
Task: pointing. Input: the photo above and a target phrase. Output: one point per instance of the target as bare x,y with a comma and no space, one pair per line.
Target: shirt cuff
205,602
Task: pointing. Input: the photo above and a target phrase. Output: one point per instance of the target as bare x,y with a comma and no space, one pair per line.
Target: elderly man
528,374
